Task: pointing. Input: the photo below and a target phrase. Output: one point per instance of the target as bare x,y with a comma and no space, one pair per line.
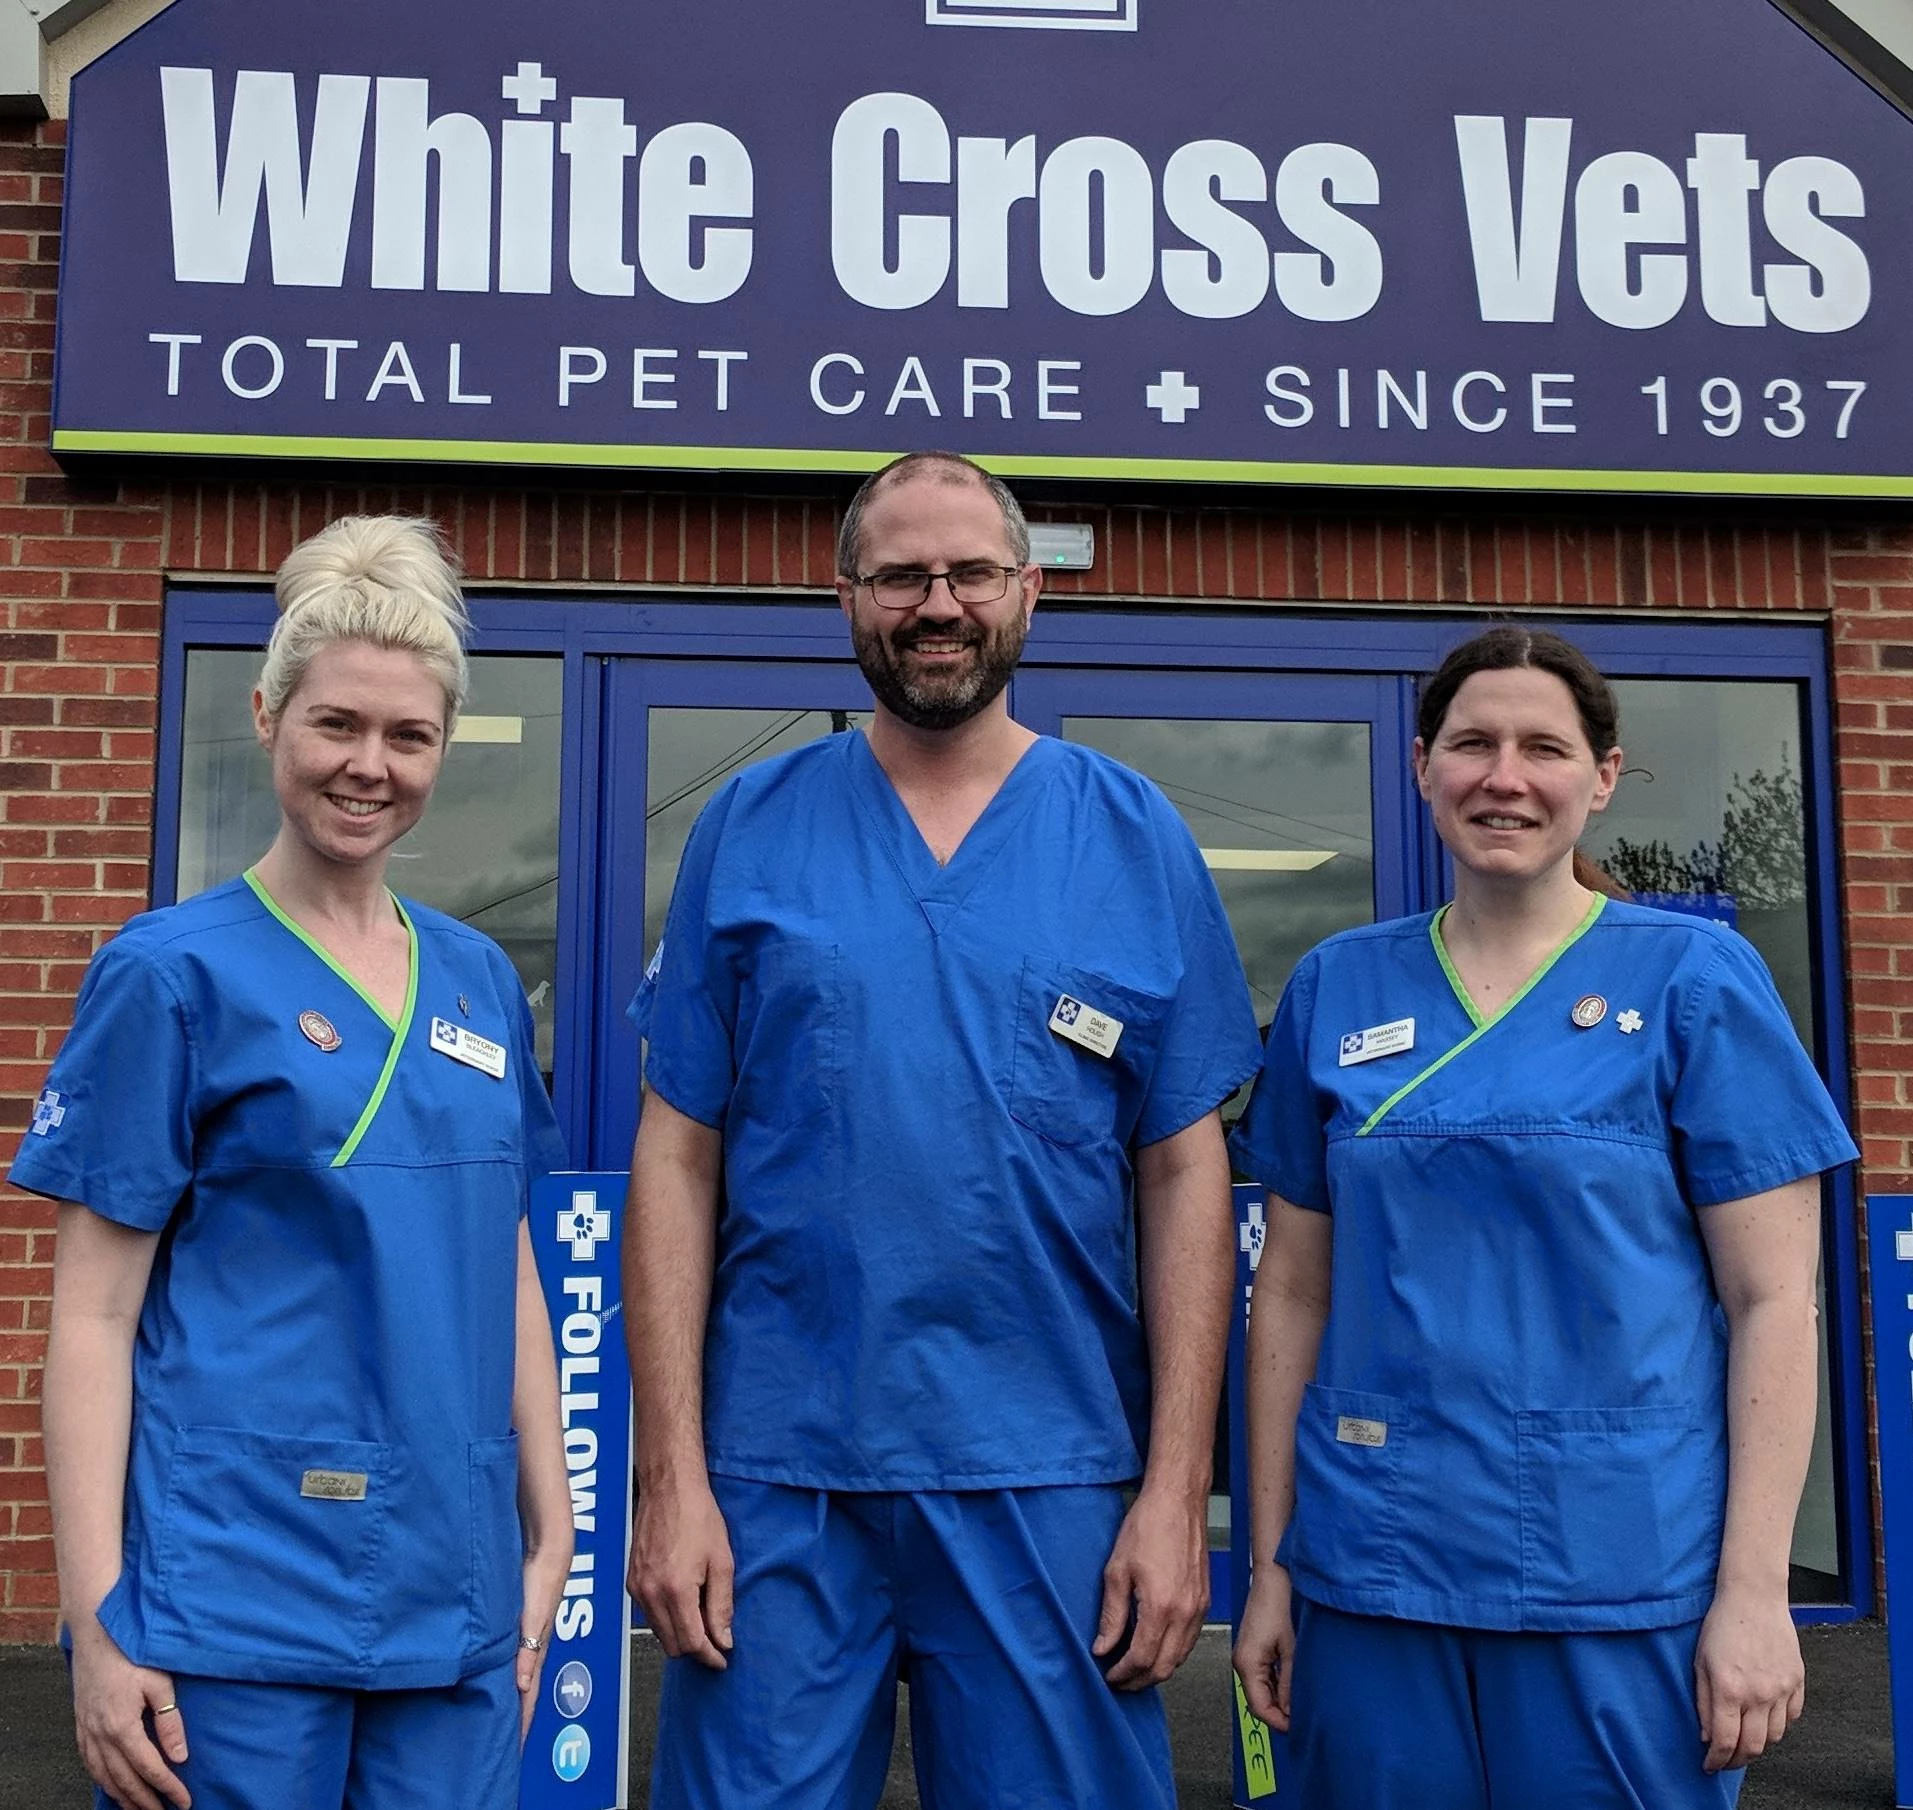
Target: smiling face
940,664
1510,775
356,750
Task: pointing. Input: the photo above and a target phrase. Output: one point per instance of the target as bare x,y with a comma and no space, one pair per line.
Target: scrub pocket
1348,1468
250,1564
498,1543
1618,1504
789,1016
1063,1092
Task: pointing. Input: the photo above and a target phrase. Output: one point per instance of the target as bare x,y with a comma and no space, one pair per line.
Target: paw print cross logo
584,1226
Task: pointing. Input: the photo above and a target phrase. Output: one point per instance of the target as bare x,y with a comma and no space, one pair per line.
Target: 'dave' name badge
1086,1027
1378,1040
468,1047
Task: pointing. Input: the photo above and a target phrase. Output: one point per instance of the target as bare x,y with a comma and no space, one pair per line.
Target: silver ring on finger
167,1709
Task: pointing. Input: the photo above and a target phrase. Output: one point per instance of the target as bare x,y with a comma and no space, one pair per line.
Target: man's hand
113,1700
1160,1569
1265,1648
682,1570
1749,1680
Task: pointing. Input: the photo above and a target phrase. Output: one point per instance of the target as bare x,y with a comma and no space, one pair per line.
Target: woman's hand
544,1585
1749,1679
112,1701
1265,1649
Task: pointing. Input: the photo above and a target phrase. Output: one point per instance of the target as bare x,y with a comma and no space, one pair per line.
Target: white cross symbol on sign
1249,1237
1903,1246
583,1226
530,88
1173,396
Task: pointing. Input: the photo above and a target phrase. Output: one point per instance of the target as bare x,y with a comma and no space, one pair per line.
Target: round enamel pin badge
318,1029
1588,1011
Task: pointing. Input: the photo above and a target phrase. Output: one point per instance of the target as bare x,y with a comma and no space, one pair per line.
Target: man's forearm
669,1259
1186,1259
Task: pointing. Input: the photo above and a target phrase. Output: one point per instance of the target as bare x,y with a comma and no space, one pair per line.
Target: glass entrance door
674,731
1284,782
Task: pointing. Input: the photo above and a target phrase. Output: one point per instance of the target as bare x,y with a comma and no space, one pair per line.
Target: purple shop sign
1650,245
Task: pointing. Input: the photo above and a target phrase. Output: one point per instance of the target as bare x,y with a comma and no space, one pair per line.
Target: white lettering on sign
690,175
1637,244
460,203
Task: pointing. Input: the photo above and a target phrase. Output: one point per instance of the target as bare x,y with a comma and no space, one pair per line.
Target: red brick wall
84,560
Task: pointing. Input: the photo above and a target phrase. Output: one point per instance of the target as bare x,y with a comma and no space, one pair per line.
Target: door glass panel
1284,817
691,752
486,850
1710,818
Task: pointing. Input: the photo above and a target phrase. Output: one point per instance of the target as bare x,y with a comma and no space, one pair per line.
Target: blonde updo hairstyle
386,580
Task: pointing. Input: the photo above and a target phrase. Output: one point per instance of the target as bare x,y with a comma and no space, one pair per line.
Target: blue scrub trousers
1400,1715
304,1747
989,1598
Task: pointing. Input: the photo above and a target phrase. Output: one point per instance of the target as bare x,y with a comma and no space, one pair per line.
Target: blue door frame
620,656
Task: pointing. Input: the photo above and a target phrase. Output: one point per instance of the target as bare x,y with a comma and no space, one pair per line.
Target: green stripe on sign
1009,465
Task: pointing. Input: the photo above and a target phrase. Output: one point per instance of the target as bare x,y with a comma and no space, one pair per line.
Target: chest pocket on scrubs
270,1544
1059,1089
789,1013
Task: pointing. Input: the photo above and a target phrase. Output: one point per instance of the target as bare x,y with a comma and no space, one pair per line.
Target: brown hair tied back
1505,648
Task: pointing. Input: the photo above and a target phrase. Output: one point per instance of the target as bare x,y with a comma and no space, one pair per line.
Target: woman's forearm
1288,1311
544,1492
1764,1251
99,1280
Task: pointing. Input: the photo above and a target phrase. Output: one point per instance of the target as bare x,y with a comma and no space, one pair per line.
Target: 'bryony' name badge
334,1486
1351,1430
1378,1040
468,1047
1086,1027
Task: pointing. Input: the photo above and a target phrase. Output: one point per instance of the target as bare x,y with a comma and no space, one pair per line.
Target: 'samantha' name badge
1378,1040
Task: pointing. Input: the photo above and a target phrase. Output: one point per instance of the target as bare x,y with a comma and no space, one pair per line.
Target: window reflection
690,753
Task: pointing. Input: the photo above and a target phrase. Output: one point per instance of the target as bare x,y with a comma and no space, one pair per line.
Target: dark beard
942,701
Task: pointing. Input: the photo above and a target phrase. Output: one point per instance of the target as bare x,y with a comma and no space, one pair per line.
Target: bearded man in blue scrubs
937,1035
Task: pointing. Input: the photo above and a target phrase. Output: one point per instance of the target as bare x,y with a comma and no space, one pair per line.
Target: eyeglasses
905,587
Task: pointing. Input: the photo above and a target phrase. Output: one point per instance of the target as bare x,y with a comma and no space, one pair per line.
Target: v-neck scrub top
322,1483
1518,1418
925,1266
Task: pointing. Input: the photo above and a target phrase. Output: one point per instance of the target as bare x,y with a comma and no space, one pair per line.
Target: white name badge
1378,1040
468,1047
1086,1027
1350,1429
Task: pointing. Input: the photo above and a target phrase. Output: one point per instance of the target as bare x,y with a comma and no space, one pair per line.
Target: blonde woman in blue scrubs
302,1431
1532,1351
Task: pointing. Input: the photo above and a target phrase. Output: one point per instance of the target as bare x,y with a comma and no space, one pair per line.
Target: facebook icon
571,1689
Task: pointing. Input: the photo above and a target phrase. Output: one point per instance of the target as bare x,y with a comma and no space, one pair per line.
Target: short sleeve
1750,1111
685,1008
1209,1045
1281,1140
113,1127
543,1143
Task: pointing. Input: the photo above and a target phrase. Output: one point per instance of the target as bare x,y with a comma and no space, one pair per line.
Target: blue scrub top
925,1267
322,1485
1518,1419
